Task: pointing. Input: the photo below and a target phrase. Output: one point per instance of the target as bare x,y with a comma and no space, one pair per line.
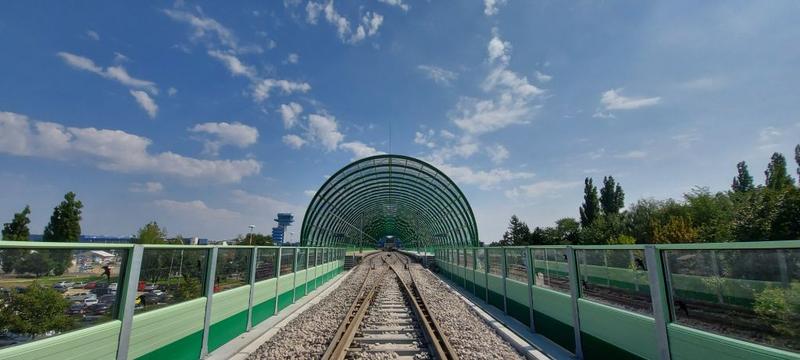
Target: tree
258,240
16,230
36,311
151,233
38,263
591,207
518,233
743,180
65,223
797,160
567,231
640,218
711,214
777,176
612,198
676,230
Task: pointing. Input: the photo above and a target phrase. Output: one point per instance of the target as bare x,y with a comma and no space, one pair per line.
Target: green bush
781,308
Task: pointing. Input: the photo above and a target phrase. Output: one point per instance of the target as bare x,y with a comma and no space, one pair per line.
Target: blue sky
208,117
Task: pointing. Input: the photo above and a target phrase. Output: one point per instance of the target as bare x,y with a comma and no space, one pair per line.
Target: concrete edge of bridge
531,345
241,347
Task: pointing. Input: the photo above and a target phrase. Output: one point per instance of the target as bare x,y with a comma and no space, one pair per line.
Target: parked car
90,285
75,309
151,299
150,287
91,300
79,285
78,296
107,299
64,284
99,309
60,289
112,286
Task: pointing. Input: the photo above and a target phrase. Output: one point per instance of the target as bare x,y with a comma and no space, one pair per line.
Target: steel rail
437,340
337,349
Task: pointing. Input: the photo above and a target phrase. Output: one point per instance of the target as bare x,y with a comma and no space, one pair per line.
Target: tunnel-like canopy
389,195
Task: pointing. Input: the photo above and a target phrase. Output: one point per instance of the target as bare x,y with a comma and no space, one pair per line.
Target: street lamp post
250,234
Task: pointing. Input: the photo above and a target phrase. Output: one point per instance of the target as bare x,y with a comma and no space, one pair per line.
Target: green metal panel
225,330
495,291
187,348
299,282
96,342
151,332
631,332
691,344
518,301
229,303
553,304
264,291
263,310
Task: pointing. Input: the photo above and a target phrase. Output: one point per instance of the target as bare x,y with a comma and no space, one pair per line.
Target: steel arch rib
426,202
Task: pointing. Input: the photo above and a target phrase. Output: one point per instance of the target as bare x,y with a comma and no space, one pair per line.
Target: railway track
389,319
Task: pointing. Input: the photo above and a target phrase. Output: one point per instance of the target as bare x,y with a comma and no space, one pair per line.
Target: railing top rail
79,245
747,245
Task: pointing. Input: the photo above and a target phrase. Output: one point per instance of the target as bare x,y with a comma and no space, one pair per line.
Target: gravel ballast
467,332
308,335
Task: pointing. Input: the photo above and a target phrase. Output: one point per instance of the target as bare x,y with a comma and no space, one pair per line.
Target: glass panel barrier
550,269
266,263
47,292
302,255
753,295
495,261
460,255
287,261
233,268
319,255
468,260
480,259
616,277
516,265
170,276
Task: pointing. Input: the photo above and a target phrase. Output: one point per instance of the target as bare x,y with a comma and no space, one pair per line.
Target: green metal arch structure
389,195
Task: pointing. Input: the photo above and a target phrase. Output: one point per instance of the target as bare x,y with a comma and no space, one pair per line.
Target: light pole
250,234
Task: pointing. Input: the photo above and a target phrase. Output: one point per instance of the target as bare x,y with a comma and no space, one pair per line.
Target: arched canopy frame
389,195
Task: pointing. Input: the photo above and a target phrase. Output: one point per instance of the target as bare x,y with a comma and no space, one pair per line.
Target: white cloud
293,58
93,35
262,89
446,134
233,64
513,96
438,75
210,31
120,58
498,49
310,193
491,7
324,129
613,100
235,134
148,187
484,179
117,73
146,102
769,134
360,150
172,91
290,113
294,141
370,22
425,138
686,139
633,154
540,188
542,78
398,3
112,150
196,209
498,153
